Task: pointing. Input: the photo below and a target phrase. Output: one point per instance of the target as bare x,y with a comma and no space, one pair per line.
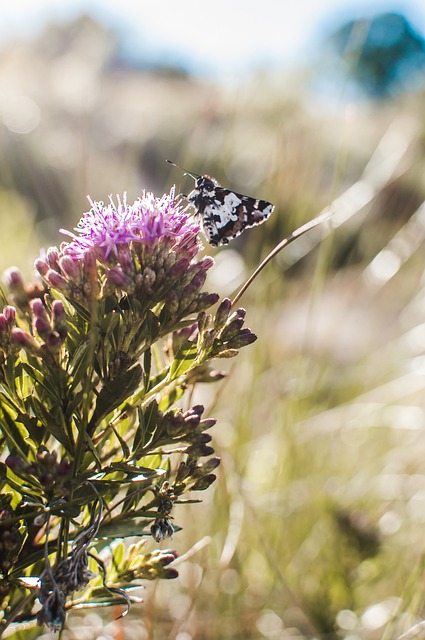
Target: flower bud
53,342
208,340
52,258
200,451
40,322
231,329
57,281
13,279
89,261
203,321
42,327
38,308
149,277
207,423
125,259
25,340
10,314
222,313
91,286
167,556
206,300
45,478
205,468
58,311
64,468
244,337
41,266
239,313
178,268
59,319
117,277
14,463
172,301
206,263
203,483
170,573
70,268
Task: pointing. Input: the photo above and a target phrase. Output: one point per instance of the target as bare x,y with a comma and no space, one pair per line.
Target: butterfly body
225,214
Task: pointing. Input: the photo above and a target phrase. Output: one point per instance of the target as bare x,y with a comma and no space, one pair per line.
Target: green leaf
118,555
125,529
145,433
153,325
68,509
81,363
52,390
52,425
82,315
147,363
15,432
134,471
10,372
115,393
149,329
8,401
35,430
170,398
74,404
109,322
32,558
124,446
183,360
18,484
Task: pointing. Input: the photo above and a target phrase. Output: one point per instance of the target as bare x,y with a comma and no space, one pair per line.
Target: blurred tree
384,54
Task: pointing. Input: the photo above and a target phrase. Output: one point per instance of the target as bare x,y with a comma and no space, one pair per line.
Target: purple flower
105,228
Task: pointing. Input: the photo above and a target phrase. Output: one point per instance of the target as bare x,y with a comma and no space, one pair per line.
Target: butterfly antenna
195,176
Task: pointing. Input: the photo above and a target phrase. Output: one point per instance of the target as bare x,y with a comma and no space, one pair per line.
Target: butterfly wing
228,214
225,214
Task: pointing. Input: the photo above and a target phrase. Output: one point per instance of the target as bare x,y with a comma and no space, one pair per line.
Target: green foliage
94,447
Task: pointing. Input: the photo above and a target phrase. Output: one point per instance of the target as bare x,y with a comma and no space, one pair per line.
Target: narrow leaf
115,393
183,359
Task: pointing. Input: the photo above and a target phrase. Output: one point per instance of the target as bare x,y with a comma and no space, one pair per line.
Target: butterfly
224,214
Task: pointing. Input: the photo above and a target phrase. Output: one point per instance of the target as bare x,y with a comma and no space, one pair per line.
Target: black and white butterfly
224,214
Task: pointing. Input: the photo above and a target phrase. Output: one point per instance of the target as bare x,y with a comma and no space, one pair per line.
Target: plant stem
293,236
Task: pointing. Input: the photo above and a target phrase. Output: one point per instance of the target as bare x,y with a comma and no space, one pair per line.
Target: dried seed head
161,529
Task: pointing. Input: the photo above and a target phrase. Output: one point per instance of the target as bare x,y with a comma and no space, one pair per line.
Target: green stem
284,243
82,426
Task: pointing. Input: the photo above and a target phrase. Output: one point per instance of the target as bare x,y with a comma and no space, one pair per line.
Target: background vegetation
315,525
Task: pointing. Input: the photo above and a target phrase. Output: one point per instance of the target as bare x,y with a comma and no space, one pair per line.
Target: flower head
105,228
145,250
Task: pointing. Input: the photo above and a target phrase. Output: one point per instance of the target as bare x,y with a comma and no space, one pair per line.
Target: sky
219,37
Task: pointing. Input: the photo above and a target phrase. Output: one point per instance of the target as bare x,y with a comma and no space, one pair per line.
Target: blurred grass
314,527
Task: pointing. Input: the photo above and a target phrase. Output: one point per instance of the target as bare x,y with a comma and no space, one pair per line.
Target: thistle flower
107,228
145,249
